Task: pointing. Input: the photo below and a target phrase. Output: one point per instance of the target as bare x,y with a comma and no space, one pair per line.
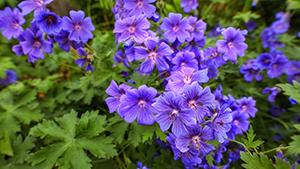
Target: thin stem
240,144
66,64
124,148
156,77
276,149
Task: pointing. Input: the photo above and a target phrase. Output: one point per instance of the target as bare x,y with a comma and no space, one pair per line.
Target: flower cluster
66,31
274,63
194,115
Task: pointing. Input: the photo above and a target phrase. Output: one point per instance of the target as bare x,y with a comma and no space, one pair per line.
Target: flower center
142,102
15,25
131,29
230,44
191,1
187,80
183,64
77,27
36,44
139,3
236,122
193,104
175,28
214,54
152,55
266,61
244,107
50,19
40,2
275,66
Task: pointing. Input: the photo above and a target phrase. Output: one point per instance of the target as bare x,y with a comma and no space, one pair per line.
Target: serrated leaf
246,16
118,128
293,4
75,136
250,137
255,161
5,146
295,144
136,133
290,90
16,110
22,148
281,164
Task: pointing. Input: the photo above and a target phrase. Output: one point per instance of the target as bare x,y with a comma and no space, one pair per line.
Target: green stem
240,144
277,148
65,64
156,77
124,148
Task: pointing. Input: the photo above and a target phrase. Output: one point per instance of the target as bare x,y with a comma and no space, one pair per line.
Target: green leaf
137,131
5,146
246,16
291,91
72,136
118,129
293,4
210,159
255,161
295,144
5,64
281,164
22,148
250,137
16,110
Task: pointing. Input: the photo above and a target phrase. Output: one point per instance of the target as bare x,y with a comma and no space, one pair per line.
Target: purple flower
170,111
120,57
64,42
155,18
139,105
139,7
266,36
221,119
186,75
198,29
293,67
184,59
293,101
246,105
79,27
278,66
190,157
250,69
29,5
214,58
276,111
176,28
116,92
129,27
233,45
273,94
34,44
10,77
82,61
196,137
119,10
282,15
240,122
275,44
48,22
251,24
197,98
153,55
264,60
280,26
140,165
10,23
189,5
254,3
